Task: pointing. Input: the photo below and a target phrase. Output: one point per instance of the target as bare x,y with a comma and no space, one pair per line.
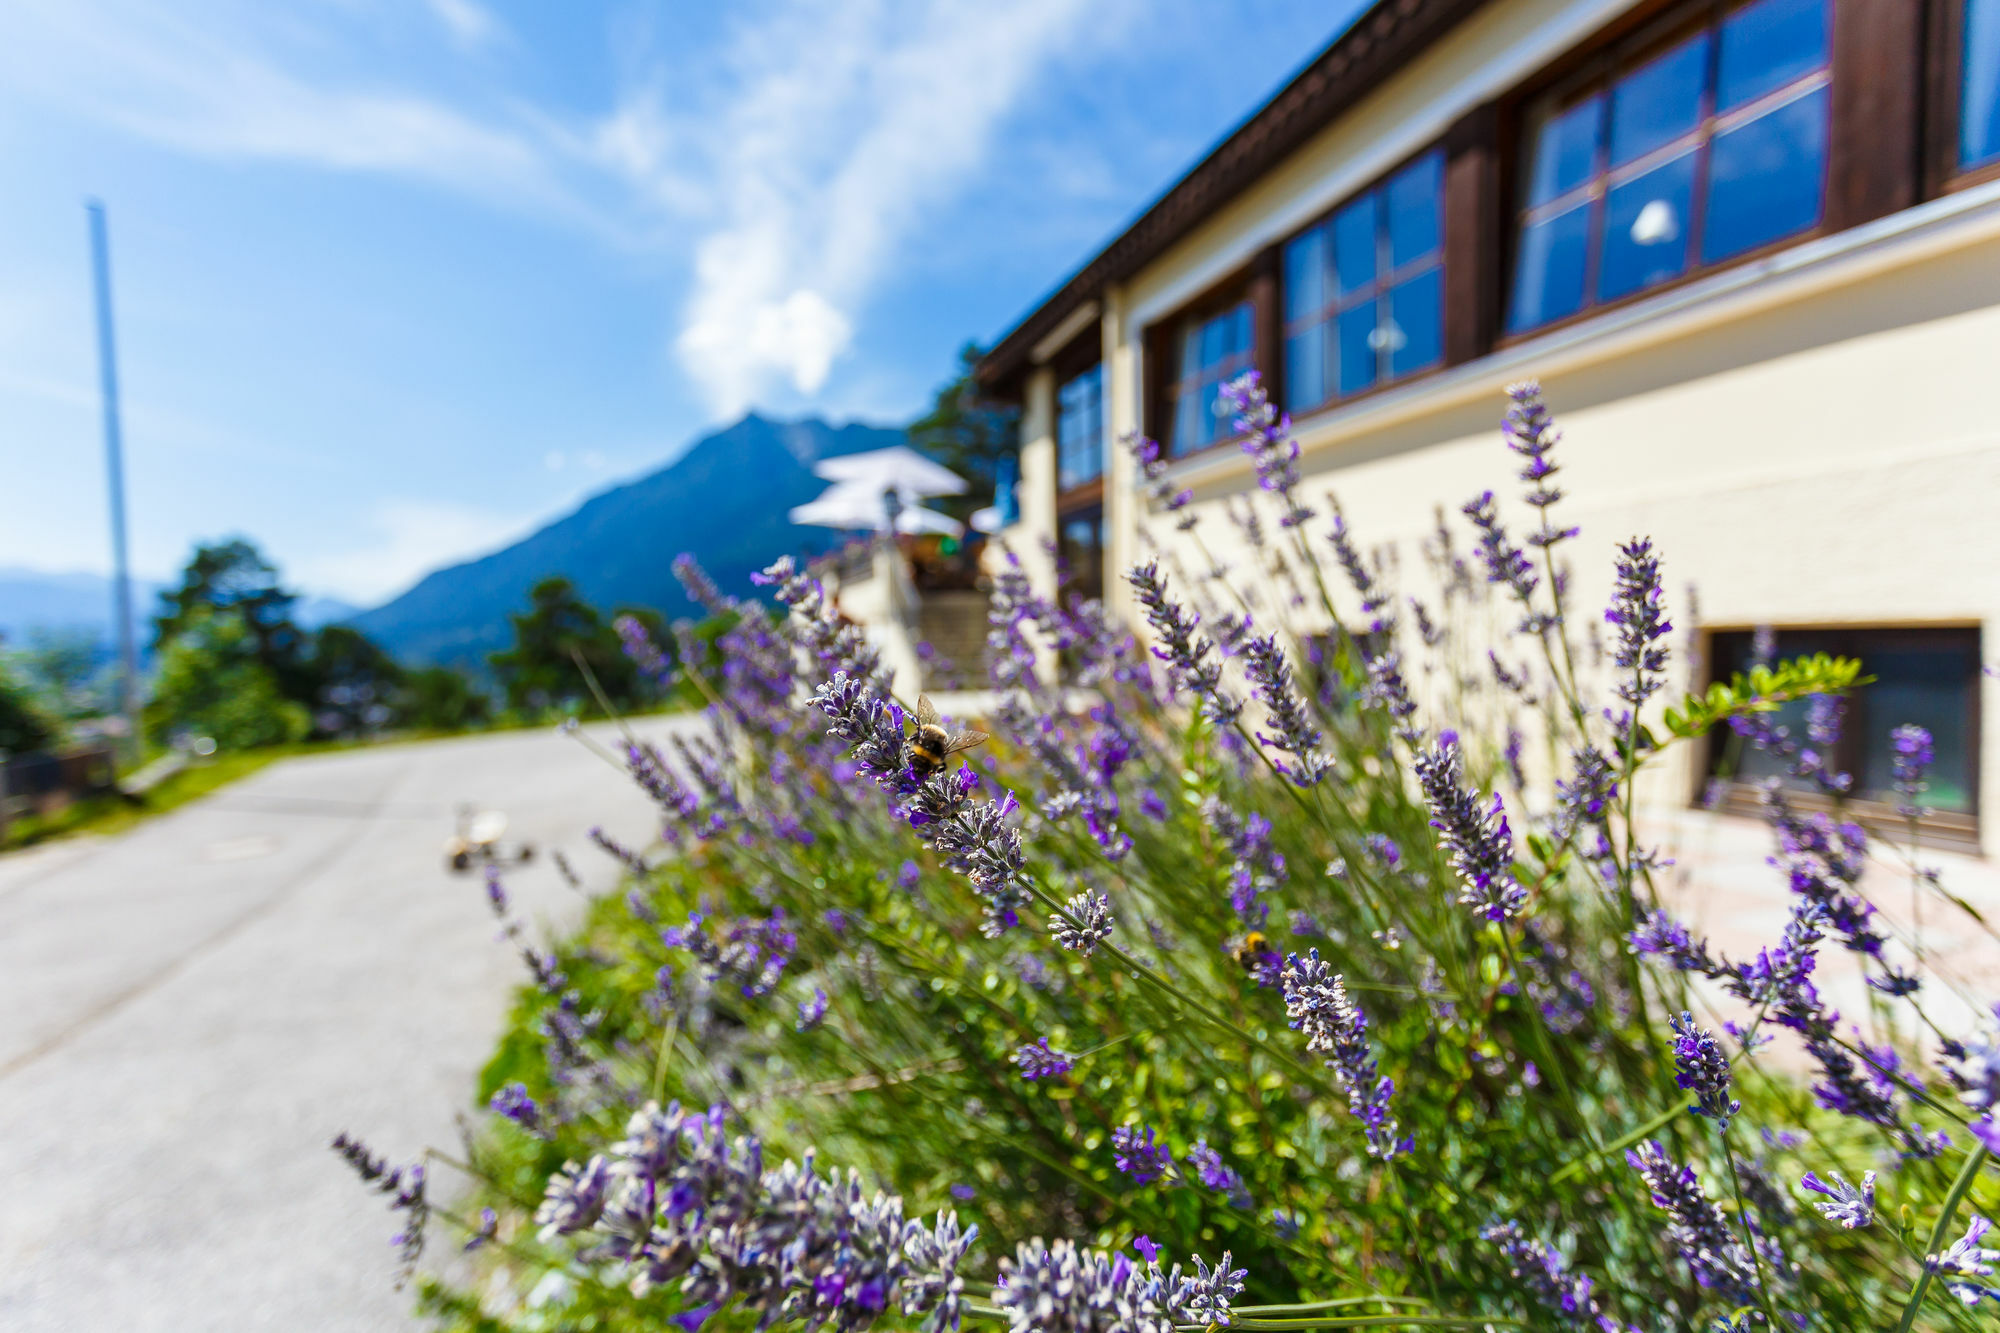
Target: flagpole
114,459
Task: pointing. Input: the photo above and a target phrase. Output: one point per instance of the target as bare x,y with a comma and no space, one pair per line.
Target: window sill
1939,832
1792,274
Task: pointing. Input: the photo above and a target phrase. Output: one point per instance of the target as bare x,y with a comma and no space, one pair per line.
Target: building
1751,249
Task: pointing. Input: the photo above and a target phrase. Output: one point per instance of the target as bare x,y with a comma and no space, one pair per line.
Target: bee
1250,950
931,744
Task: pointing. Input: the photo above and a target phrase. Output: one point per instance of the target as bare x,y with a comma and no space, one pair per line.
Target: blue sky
398,280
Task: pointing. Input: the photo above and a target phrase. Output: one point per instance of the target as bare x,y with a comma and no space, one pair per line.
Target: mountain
724,501
32,599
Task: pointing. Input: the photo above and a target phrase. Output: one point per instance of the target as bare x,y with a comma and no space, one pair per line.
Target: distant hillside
724,500
31,599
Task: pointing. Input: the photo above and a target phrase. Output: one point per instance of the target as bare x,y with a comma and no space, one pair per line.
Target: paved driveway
192,1009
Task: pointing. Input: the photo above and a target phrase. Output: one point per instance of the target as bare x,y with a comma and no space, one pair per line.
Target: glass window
1979,84
1683,158
1364,297
1926,677
1213,350
1080,552
1080,429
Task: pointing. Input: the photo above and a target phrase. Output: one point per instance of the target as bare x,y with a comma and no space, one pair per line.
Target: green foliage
234,578
540,672
437,698
1764,690
968,433
64,668
25,722
355,685
212,681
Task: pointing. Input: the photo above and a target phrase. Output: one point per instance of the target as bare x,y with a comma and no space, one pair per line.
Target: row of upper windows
1687,156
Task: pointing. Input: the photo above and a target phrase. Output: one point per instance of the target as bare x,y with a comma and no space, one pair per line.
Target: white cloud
831,132
471,25
404,540
790,164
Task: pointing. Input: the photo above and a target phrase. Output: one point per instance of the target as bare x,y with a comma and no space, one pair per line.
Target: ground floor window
1080,552
1928,677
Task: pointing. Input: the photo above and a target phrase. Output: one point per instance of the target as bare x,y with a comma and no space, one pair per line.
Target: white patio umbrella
899,468
860,505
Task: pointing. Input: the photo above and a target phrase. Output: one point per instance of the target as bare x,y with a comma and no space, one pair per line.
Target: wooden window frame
1593,66
1254,284
1952,830
1331,309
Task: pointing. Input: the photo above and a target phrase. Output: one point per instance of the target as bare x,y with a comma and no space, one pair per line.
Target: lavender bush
1302,965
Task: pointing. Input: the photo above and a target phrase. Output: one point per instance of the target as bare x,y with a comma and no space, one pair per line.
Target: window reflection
1364,289
1213,350
1979,84
1682,157
1080,429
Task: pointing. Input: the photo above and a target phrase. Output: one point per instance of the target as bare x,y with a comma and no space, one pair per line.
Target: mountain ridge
724,499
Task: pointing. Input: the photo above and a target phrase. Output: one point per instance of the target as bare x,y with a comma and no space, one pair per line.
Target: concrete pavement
193,1008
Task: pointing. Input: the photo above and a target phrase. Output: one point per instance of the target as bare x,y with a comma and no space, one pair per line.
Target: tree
65,667
436,698
968,433
211,682
355,683
234,577
540,671
25,725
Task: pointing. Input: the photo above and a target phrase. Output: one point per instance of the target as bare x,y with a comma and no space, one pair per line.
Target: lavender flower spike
1698,1230
1088,924
1480,843
1317,1004
1153,465
1703,1070
1635,611
1851,1207
1505,562
1137,1153
1544,1274
1055,1287
1531,432
1267,438
1294,733
1911,755
1039,1061
1189,656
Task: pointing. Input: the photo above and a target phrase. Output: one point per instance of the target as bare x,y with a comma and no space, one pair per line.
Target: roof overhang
1386,37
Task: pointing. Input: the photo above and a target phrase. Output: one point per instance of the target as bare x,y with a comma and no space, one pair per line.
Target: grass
115,812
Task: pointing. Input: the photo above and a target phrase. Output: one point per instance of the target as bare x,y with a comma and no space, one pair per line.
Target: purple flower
1137,1153
513,1102
1697,1229
405,1187
1702,1068
1851,1207
1146,1249
1965,1259
1292,726
963,1192
638,644
1479,841
1038,1061
1505,562
812,1012
908,875
1531,432
1642,627
1267,438
1216,1174
1191,659
1911,755
1055,1287
1151,805
1544,1274
1086,924
1317,1004
1153,466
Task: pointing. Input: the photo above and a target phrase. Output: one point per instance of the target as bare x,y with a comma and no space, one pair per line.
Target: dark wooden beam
1267,321
1874,144
1474,229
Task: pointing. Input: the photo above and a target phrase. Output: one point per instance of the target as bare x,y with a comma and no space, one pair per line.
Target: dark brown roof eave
1384,39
